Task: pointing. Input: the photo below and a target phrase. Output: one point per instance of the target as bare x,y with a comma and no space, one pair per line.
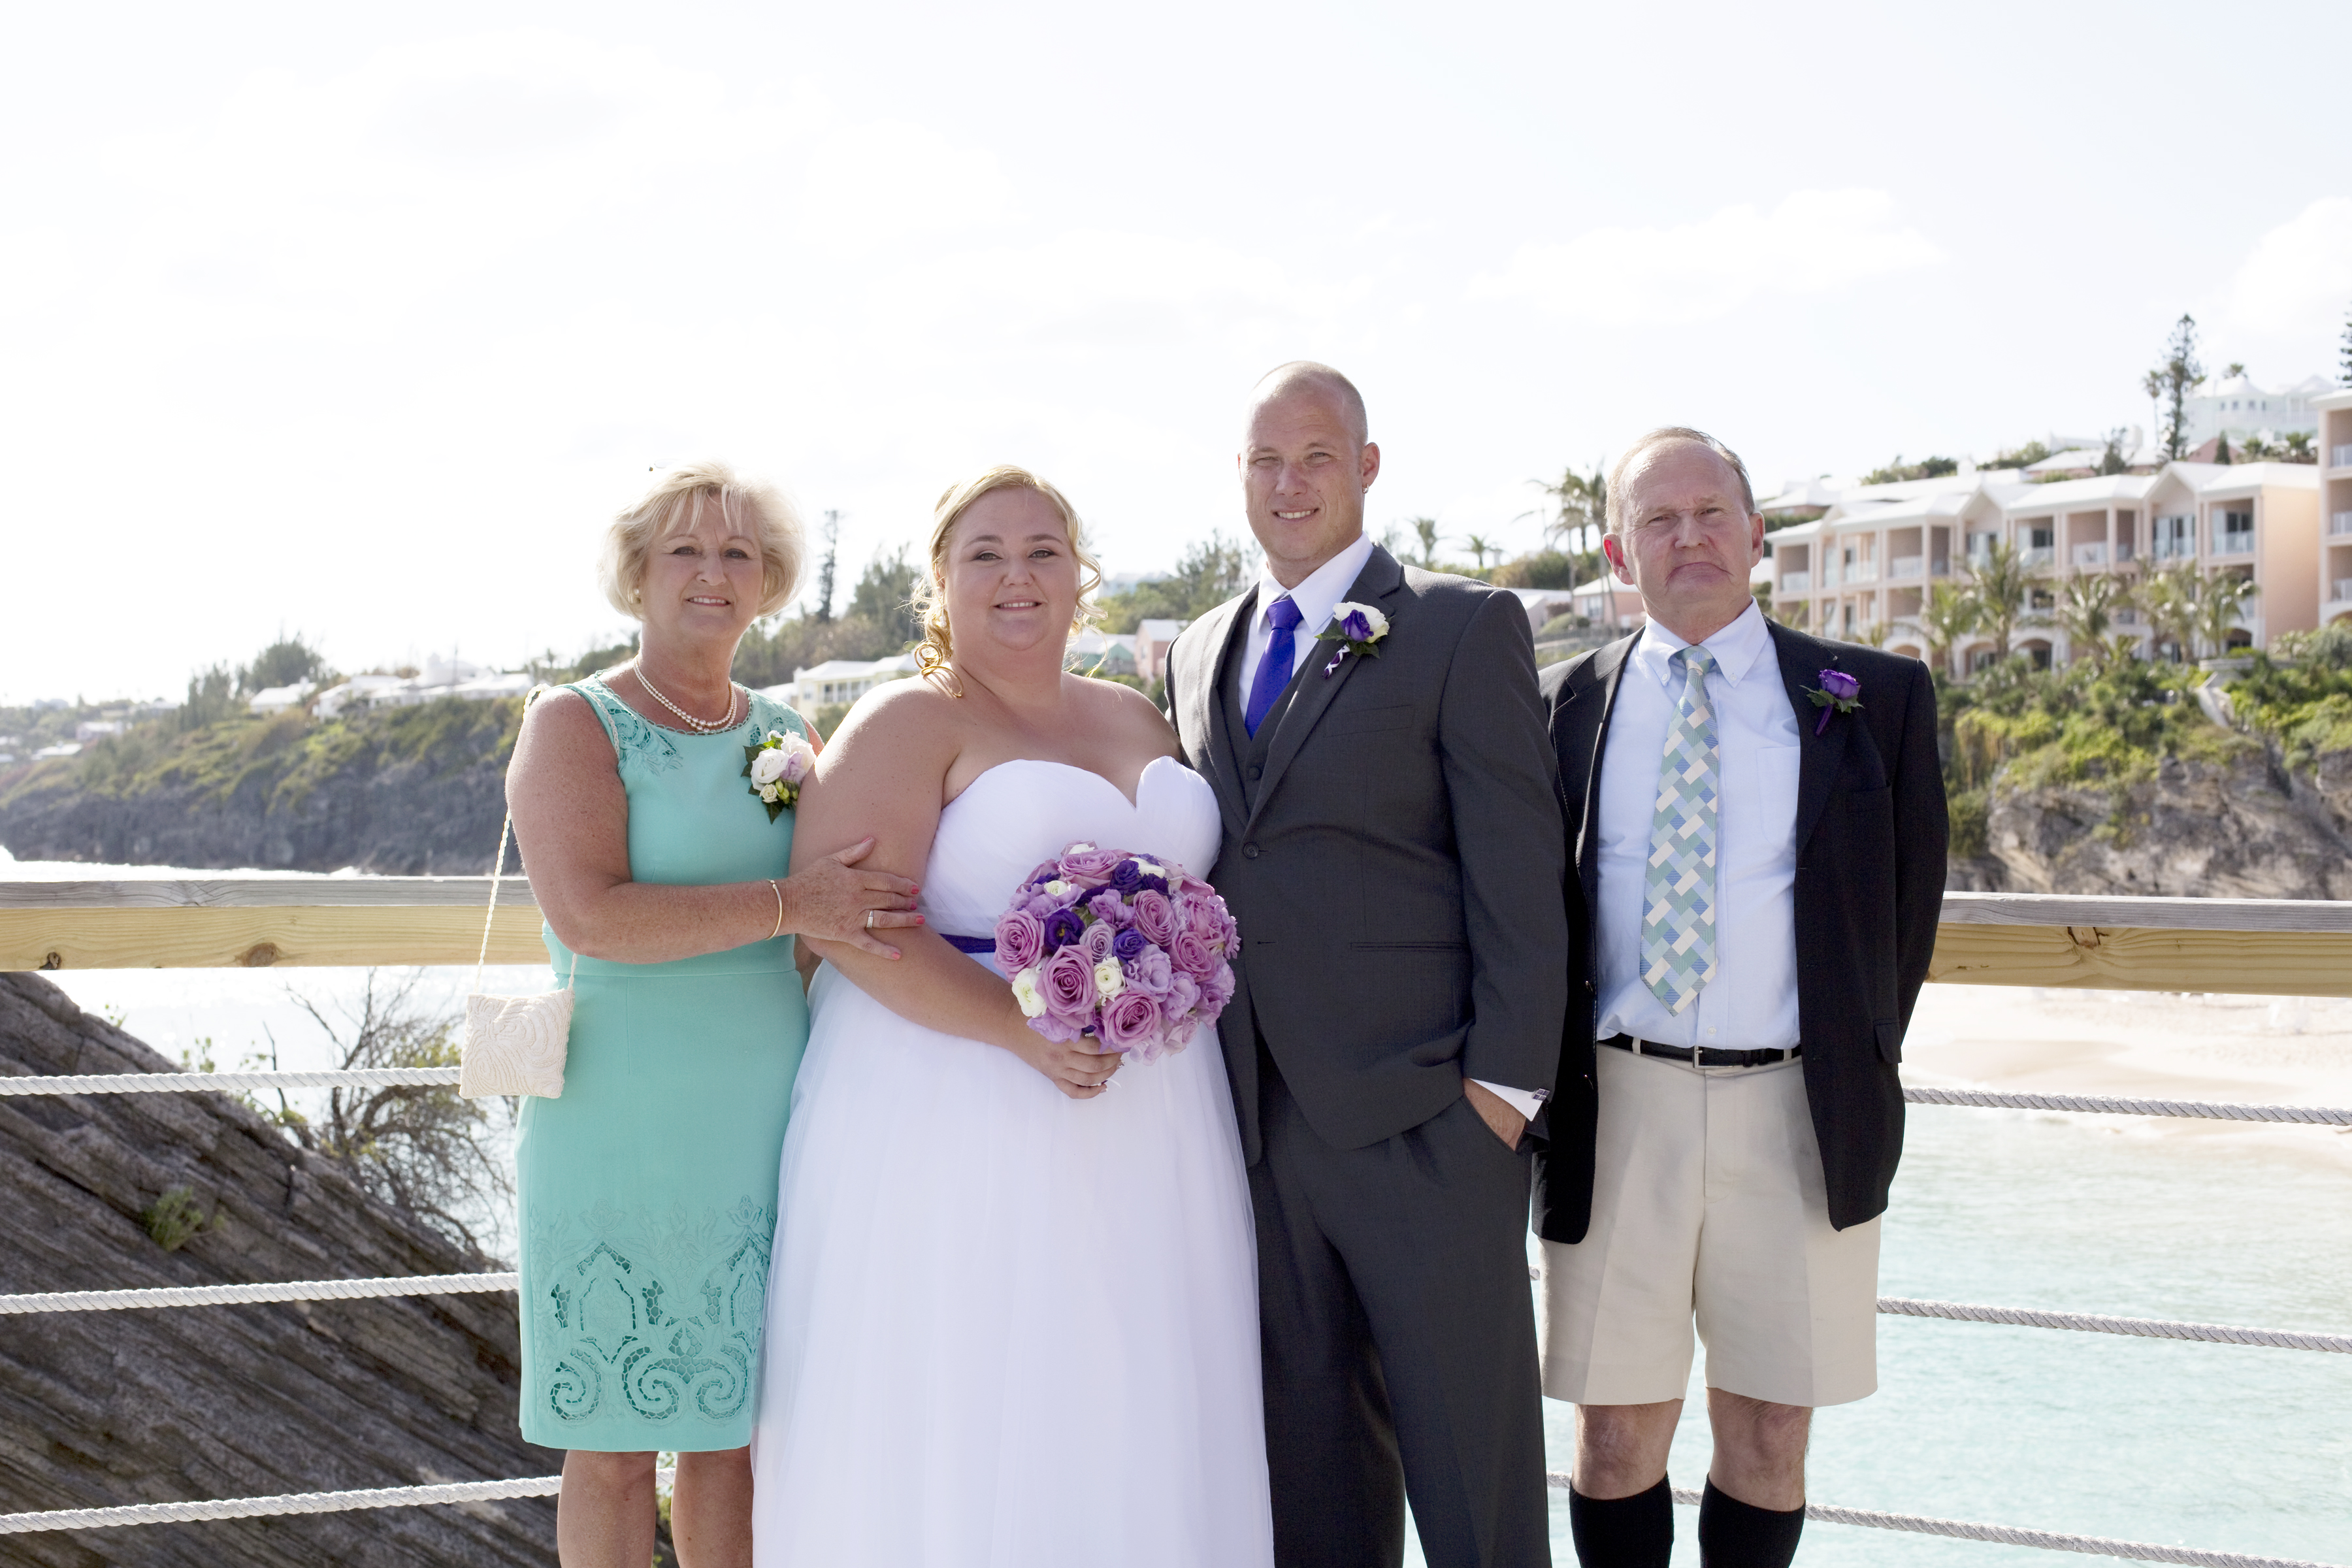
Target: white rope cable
2144,1328
248,1295
2011,1535
2108,1105
290,1502
230,1083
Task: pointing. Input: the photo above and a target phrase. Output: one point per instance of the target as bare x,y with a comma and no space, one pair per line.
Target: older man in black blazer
1756,819
1393,852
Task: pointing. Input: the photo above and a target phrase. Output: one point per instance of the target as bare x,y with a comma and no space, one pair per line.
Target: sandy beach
2269,1050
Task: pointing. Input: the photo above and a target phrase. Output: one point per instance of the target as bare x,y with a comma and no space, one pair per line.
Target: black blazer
1396,873
1870,837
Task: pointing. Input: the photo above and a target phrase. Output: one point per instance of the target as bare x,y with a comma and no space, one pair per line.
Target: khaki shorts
1707,1203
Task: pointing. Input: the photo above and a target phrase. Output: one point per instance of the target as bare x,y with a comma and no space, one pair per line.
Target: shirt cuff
1526,1101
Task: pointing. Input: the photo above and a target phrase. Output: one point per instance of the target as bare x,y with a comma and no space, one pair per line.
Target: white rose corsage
777,768
1358,629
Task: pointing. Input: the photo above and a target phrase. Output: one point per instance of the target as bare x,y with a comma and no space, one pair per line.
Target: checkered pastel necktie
1678,889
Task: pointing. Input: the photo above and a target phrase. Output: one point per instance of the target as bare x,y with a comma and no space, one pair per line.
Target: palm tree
1580,501
2168,601
2087,602
2221,600
1946,617
2003,590
1477,544
1426,530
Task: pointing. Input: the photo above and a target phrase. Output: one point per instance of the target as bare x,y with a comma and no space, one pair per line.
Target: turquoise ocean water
2219,1446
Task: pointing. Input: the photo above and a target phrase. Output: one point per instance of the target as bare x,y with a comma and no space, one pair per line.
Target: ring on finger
869,919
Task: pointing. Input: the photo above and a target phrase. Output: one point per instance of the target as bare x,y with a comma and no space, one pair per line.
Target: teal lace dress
648,1192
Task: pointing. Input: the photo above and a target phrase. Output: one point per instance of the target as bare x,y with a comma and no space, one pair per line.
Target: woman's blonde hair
930,587
756,509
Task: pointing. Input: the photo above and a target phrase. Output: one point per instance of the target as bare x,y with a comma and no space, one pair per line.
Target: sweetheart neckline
1134,804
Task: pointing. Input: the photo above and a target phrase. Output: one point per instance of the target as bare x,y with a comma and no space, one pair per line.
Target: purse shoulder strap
498,870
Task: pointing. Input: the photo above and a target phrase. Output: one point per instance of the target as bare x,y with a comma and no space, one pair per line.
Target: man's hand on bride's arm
1505,1122
832,898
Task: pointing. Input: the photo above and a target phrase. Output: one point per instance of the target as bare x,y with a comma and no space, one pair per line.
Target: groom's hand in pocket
1500,1118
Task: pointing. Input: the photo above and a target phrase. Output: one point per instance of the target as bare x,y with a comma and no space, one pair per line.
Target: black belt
1702,1055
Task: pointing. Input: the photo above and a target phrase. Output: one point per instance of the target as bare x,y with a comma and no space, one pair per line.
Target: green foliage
2173,378
1209,574
212,696
773,654
1580,509
827,719
1898,471
2002,587
1425,529
884,595
1544,569
1970,811
2304,705
2023,457
175,1219
2079,725
283,663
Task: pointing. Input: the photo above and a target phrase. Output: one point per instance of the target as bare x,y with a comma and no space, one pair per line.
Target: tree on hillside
822,611
283,663
2086,612
1425,529
1476,545
2175,376
2167,602
2221,452
1580,508
2003,590
1207,574
2114,460
1949,616
884,595
1898,471
2025,456
2220,601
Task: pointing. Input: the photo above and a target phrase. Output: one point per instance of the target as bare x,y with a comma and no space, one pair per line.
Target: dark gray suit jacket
1871,835
1396,870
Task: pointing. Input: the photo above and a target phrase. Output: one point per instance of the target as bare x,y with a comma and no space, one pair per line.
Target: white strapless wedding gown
1006,1328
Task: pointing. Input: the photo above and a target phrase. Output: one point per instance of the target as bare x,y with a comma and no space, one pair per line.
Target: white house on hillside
2334,411
838,681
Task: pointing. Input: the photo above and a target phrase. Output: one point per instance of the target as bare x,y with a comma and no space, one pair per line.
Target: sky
362,322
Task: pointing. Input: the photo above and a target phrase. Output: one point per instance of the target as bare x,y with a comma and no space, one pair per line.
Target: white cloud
2297,280
1813,243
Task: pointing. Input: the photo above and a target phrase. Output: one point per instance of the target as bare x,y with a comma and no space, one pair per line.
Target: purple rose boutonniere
1358,629
1838,693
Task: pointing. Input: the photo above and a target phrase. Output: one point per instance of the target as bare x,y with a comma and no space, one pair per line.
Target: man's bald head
1307,377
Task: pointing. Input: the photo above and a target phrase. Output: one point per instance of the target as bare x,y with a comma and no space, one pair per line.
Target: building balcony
2343,594
1796,583
1902,568
2234,544
2093,555
2340,524
1862,572
1941,566
2035,556
2341,458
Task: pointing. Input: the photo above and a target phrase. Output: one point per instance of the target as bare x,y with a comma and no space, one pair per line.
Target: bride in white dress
1013,1306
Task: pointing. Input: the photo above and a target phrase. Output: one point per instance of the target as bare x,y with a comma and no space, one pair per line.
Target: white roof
2062,493
1603,585
2071,457
1157,630
851,668
2222,479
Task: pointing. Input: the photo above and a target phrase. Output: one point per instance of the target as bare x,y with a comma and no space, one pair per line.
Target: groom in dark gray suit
1393,853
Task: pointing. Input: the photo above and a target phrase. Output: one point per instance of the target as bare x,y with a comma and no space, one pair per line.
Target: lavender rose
1155,917
1207,918
1216,990
1110,908
1068,983
1183,995
1840,685
1131,1023
1096,943
1085,863
1020,941
1192,955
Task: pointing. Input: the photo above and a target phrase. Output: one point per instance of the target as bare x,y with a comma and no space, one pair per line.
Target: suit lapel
1382,581
1585,736
1205,713
1822,748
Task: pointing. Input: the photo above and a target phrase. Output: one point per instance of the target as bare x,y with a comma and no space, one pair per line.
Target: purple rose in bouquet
1116,945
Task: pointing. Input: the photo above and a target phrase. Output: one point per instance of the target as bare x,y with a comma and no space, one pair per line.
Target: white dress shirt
1323,589
1751,1003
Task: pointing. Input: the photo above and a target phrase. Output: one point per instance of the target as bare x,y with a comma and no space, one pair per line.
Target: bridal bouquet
1132,951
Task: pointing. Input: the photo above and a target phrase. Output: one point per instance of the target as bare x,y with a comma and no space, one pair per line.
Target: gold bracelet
780,909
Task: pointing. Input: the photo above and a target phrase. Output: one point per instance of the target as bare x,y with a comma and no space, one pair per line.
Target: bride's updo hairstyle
676,501
930,605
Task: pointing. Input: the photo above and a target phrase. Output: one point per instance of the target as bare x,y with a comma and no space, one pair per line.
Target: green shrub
173,1219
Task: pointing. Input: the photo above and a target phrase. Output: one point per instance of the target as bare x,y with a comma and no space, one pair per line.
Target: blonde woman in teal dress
648,1192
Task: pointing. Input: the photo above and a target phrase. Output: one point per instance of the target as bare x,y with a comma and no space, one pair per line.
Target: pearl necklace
700,726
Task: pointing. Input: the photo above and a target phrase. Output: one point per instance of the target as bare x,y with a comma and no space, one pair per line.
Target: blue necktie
1274,669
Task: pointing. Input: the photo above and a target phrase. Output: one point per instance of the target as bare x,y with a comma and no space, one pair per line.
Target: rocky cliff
416,792
2241,828
150,1405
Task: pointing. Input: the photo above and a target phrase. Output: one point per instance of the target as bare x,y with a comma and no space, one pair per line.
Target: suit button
1249,851
1256,770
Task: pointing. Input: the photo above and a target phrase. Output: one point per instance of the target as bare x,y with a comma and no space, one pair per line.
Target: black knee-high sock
1735,1534
1635,1531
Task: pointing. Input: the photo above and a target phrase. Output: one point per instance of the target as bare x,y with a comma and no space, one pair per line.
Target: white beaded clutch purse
514,1045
